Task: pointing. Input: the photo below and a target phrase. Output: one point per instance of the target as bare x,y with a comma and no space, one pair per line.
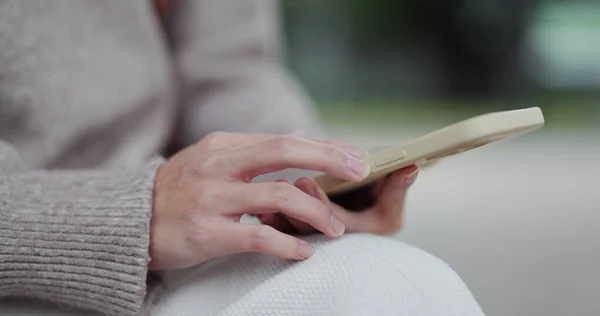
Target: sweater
92,93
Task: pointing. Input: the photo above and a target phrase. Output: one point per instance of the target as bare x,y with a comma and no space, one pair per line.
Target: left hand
384,216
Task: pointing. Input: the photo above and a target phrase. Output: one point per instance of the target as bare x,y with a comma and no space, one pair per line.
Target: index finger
224,140
285,152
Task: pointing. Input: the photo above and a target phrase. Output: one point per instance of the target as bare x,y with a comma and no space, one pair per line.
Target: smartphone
451,140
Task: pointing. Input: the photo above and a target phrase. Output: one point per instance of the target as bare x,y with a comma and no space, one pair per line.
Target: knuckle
336,156
280,194
332,152
208,163
214,139
203,233
200,232
262,238
323,210
282,144
209,197
320,214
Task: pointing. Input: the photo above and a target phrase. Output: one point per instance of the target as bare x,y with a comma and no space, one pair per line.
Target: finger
393,195
378,186
277,197
351,220
278,221
292,223
284,152
386,217
263,239
372,220
352,150
305,186
223,140
298,132
226,140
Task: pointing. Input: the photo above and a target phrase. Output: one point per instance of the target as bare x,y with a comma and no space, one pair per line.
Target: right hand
201,193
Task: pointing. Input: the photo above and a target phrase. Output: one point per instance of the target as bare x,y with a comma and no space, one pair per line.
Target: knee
372,256
358,270
375,256
352,275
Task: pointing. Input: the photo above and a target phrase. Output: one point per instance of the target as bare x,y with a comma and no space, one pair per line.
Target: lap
352,275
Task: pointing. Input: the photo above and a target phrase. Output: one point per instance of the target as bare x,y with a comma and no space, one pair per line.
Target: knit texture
353,275
77,238
89,92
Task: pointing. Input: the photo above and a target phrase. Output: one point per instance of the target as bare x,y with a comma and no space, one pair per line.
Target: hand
383,215
202,191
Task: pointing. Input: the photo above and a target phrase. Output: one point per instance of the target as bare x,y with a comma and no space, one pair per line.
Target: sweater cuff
78,238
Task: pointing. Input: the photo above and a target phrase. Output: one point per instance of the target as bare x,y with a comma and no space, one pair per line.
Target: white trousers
352,275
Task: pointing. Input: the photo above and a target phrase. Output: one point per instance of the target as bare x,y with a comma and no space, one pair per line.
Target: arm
227,54
78,238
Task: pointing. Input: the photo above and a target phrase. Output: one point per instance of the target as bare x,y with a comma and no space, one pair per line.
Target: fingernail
305,250
306,187
311,192
356,152
411,177
358,167
337,226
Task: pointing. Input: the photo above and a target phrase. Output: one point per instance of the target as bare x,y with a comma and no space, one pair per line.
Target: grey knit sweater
91,92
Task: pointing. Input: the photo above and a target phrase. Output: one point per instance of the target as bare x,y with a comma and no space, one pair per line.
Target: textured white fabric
88,84
353,275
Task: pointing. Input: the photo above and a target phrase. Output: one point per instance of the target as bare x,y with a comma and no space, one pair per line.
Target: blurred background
518,220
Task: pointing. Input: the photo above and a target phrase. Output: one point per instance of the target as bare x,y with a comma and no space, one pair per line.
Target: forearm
78,238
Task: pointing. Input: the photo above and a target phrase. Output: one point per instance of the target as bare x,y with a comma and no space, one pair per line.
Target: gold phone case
451,140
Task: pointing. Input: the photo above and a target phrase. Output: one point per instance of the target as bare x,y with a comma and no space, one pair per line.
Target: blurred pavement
519,220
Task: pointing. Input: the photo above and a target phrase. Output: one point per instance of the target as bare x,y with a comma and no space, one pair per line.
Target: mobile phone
451,140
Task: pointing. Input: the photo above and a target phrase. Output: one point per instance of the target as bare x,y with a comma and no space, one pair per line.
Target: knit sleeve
77,238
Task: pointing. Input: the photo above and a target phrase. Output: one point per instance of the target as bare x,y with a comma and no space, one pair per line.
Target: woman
92,92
